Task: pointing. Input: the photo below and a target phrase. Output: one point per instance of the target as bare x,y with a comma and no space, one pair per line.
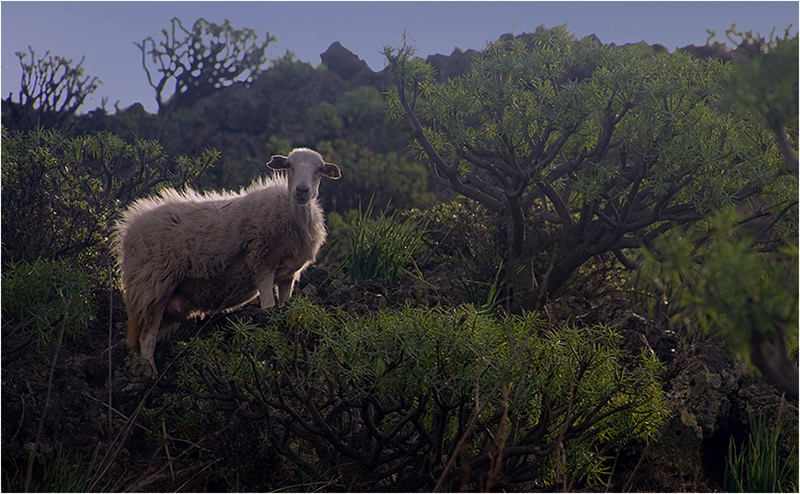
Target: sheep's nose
301,193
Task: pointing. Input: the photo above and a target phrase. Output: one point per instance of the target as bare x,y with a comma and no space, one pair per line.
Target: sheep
186,254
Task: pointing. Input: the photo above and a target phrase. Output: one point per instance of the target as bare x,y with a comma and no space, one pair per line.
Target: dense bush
765,80
371,176
459,237
41,298
60,194
699,279
409,398
358,110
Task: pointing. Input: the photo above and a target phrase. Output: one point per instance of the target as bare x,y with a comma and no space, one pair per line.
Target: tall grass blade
381,248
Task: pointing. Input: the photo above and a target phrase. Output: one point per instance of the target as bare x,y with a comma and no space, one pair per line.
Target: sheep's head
304,168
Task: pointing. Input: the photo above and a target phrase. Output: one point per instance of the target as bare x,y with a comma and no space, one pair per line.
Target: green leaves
757,465
40,297
715,276
384,178
404,383
62,193
610,145
765,77
382,247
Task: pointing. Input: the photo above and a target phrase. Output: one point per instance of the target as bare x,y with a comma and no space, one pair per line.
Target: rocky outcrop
453,65
704,52
348,66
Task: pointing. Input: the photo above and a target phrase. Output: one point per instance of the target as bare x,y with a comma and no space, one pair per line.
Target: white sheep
183,254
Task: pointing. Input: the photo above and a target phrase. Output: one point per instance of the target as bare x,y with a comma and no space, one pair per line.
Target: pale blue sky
105,31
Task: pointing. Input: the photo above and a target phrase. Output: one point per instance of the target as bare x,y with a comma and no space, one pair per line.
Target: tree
582,148
714,277
52,87
202,60
371,176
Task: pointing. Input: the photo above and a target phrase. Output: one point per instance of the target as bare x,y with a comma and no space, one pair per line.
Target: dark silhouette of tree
51,89
201,60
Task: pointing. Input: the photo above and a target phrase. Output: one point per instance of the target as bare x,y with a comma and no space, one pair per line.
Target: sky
105,32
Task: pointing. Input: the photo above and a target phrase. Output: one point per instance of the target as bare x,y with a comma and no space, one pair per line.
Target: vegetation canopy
426,398
583,148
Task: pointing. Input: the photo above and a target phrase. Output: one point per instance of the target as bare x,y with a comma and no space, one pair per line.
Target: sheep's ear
278,162
331,171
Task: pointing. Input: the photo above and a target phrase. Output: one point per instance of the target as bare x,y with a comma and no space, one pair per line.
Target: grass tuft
381,248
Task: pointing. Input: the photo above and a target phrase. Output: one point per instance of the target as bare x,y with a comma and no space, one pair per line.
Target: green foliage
765,81
380,248
487,296
38,298
584,148
60,194
287,64
325,115
462,235
362,107
359,108
369,402
765,77
714,276
277,145
758,466
702,271
460,230
367,174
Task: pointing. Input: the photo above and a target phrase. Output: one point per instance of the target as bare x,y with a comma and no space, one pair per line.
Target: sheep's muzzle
302,195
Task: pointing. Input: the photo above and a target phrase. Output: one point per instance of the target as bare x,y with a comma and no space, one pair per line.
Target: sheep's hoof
153,367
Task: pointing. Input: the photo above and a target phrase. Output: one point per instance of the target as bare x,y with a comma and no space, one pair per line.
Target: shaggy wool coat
201,253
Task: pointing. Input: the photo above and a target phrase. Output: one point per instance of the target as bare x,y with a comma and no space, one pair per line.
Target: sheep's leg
147,345
285,289
266,290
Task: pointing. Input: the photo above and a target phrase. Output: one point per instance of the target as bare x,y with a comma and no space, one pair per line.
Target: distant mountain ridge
348,66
